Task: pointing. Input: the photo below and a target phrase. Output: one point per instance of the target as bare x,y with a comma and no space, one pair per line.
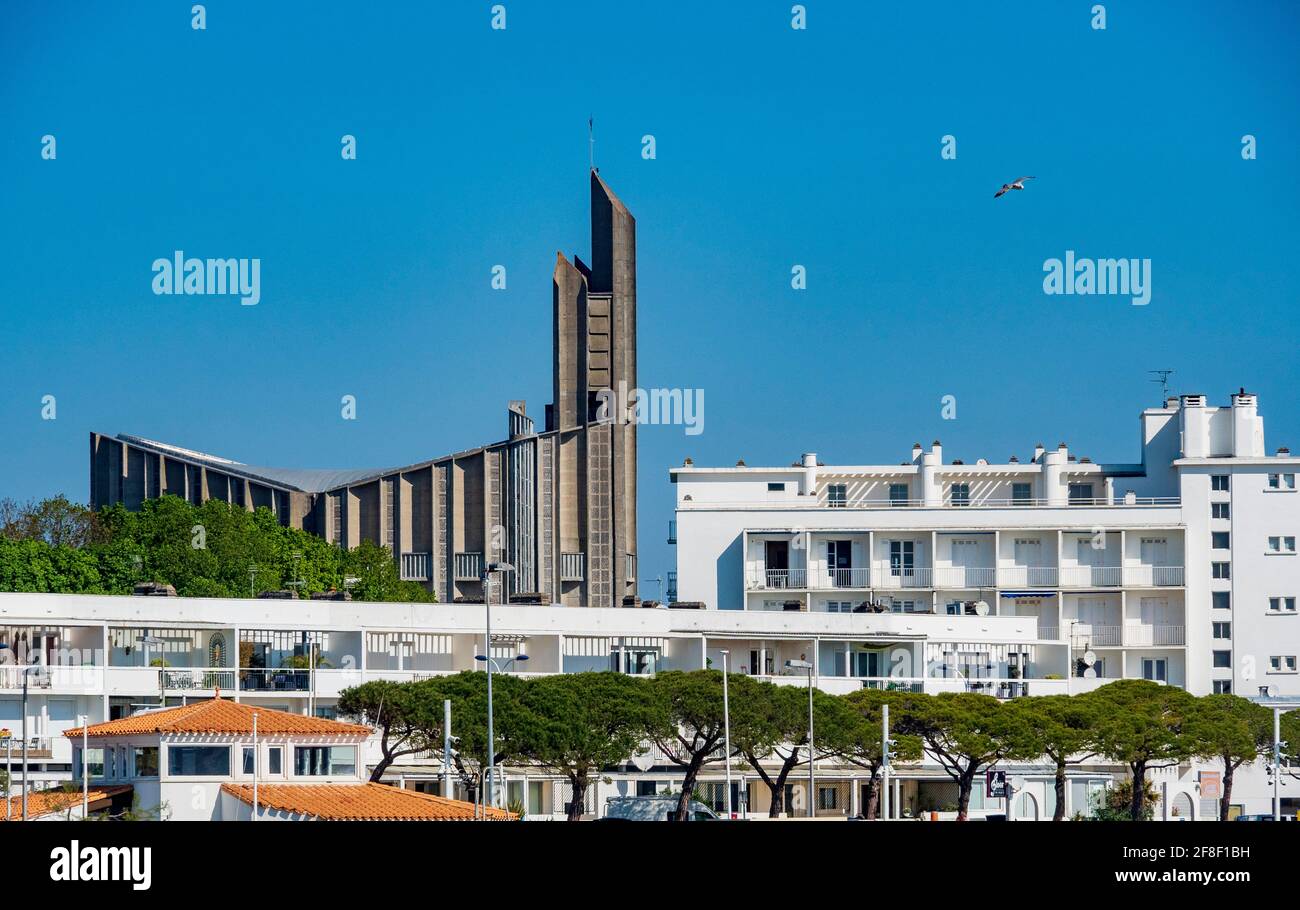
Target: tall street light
726,726
812,776
487,650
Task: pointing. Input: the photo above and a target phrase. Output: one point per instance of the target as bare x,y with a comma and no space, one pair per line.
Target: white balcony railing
1049,633
760,579
1000,688
964,577
845,578
994,503
201,678
1139,635
1145,576
1027,577
57,678
894,577
1094,636
1091,577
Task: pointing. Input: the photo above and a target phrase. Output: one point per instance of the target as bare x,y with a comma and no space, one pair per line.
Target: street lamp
812,777
1269,696
487,650
726,727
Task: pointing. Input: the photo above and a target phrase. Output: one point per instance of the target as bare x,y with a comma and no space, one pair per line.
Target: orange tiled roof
219,715
43,802
360,803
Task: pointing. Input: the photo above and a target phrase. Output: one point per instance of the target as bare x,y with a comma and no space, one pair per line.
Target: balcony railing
1091,577
1027,577
992,503
845,578
964,577
415,566
279,680
760,579
1153,576
672,530
468,566
198,678
1093,636
572,566
1000,688
888,576
1137,635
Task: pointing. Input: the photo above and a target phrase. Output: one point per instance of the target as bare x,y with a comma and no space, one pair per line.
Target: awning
1028,594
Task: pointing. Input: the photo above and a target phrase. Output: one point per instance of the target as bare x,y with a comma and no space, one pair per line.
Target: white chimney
809,485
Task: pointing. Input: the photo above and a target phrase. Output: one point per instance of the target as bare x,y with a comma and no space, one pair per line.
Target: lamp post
726,727
256,756
487,651
812,774
85,766
884,760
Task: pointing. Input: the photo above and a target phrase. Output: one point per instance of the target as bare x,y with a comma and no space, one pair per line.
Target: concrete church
559,505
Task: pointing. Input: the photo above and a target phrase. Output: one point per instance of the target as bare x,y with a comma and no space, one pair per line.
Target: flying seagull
1017,184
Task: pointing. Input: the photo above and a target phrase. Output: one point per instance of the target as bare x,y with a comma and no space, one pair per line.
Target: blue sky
774,147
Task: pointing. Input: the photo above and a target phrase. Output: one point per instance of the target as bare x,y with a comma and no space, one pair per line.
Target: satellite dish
643,761
1089,658
981,608
1090,673
1274,691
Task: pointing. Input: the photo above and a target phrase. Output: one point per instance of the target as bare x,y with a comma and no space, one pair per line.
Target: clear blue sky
775,147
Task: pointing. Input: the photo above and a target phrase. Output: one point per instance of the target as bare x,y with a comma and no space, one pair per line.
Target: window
1219,540
902,558
828,798
647,787
146,761
336,518
1223,660
1219,483
273,757
1220,510
839,606
94,762
112,763
1282,663
837,495
1080,493
1223,687
1221,629
324,761
1222,600
776,488
1281,481
1281,545
1022,492
961,494
1281,604
1221,569
898,494
198,761
1155,668
248,760
390,502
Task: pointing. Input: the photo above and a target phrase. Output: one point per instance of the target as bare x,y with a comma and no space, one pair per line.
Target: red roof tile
219,715
44,802
360,802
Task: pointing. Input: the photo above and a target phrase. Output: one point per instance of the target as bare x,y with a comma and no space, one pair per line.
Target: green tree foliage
1233,731
1061,729
581,723
773,728
207,550
408,716
965,733
854,734
689,726
1144,725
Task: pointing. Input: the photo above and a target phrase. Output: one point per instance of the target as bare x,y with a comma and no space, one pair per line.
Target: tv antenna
591,142
1162,378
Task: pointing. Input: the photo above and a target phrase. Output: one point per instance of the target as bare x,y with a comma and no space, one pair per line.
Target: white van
654,809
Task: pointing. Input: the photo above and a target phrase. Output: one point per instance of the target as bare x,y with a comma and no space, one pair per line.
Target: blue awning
1028,593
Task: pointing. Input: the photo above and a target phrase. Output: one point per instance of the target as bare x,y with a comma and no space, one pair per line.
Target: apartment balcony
999,688
964,577
896,577
1027,577
204,679
843,578
52,679
1001,503
1131,635
415,566
776,579
1116,576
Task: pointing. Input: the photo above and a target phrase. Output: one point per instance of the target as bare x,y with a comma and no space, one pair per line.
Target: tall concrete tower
594,375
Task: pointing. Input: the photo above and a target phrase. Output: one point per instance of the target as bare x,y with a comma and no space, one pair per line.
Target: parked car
654,809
